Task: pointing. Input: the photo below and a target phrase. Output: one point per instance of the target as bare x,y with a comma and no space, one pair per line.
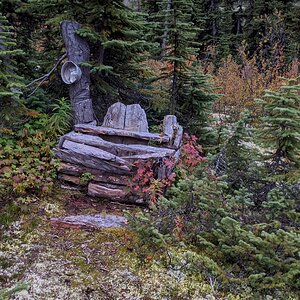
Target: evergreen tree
212,7
265,26
26,31
222,22
190,93
237,159
291,23
262,24
280,128
207,16
115,35
10,82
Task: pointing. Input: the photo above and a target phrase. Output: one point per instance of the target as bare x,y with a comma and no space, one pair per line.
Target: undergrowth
237,224
27,165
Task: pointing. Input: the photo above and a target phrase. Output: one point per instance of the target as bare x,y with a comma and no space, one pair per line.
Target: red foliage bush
146,181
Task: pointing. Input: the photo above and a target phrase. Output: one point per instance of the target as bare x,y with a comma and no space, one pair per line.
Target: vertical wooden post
78,51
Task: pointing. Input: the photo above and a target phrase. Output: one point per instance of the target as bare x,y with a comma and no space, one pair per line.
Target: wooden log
109,178
124,140
172,129
71,188
90,151
98,130
168,125
133,158
78,51
116,149
97,175
136,119
93,221
178,137
116,193
78,158
70,179
177,156
115,116
131,117
71,169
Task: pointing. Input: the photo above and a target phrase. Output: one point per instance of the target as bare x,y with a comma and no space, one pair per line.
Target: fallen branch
44,77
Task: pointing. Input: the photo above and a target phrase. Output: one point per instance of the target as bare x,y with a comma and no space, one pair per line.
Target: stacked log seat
102,159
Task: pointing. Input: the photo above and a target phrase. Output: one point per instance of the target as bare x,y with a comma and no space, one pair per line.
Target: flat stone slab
90,221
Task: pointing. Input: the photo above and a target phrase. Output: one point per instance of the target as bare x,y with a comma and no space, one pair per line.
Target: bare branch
44,77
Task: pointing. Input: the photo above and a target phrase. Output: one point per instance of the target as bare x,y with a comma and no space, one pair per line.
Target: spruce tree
238,157
190,93
280,127
10,82
261,30
26,31
115,35
222,23
226,23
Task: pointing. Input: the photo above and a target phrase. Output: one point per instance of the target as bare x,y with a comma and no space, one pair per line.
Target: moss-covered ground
63,263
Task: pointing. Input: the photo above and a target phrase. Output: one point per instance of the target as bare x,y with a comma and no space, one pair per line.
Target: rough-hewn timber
78,51
99,130
116,149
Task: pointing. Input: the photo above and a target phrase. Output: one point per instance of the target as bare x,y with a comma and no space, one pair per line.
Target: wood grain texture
99,130
70,179
97,175
169,122
115,116
92,162
156,155
116,149
116,193
78,51
94,152
135,119
93,221
177,139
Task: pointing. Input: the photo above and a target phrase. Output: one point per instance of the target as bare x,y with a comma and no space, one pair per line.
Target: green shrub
27,164
224,233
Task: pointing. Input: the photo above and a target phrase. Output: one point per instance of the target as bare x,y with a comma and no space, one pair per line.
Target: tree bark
78,51
213,8
166,29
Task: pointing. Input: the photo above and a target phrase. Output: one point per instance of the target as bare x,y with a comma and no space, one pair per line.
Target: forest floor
66,263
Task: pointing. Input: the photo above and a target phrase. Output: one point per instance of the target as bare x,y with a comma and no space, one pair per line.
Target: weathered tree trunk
89,221
213,8
78,51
